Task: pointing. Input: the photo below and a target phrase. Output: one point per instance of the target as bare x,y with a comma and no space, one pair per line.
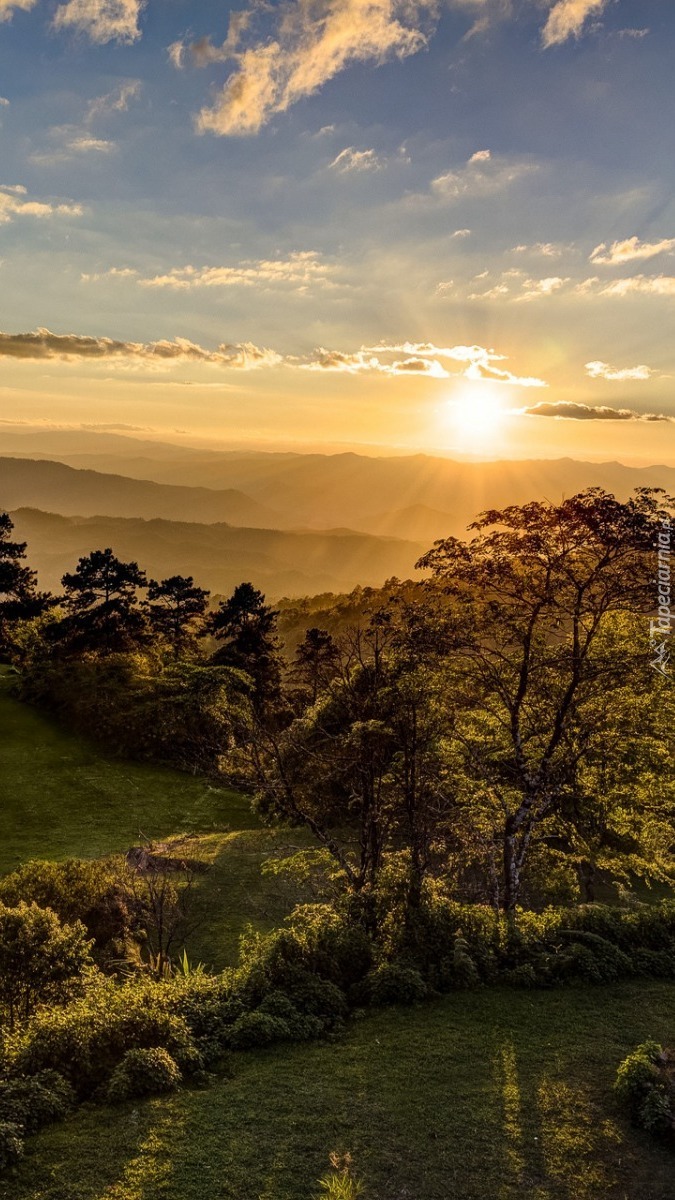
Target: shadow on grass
493,1095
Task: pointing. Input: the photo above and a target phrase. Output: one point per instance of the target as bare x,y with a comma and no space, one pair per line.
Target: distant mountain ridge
55,487
280,562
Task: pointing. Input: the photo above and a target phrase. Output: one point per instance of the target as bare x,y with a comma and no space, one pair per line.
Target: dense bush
144,705
93,892
33,1101
86,1040
143,1072
11,1144
392,983
646,1087
41,960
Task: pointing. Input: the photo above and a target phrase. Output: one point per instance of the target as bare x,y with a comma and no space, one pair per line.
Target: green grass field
492,1095
486,1095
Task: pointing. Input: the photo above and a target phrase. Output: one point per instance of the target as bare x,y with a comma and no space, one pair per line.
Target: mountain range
293,523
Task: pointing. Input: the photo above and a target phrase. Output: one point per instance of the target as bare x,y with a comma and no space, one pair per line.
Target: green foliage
257,1029
41,960
88,1039
11,1144
145,706
340,1183
143,1072
644,1085
36,1100
97,893
392,983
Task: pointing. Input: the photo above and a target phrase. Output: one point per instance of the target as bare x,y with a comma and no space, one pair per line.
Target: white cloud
298,271
4,102
12,205
602,370
351,159
630,250
118,100
540,289
461,233
545,249
645,285
567,19
478,362
312,43
483,175
112,273
101,20
9,7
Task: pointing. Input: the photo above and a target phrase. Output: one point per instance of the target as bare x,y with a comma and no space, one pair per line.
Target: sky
394,225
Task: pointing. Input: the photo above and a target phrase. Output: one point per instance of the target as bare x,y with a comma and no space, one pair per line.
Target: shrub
89,1038
34,1101
645,1086
394,984
11,1144
149,1072
95,893
258,1029
41,960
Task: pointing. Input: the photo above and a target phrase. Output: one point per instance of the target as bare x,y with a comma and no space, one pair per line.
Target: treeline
494,729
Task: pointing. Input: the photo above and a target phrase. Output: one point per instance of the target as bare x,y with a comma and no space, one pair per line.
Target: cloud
69,141
112,273
351,159
602,370
567,19
461,233
540,289
203,52
572,411
630,250
4,102
12,205
71,347
101,20
9,7
312,41
118,100
482,175
477,361
545,249
298,271
645,285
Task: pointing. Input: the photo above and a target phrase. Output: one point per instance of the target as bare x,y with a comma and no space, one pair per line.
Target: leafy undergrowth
495,1095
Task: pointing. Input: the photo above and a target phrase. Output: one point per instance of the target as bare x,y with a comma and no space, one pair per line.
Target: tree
533,592
246,628
361,768
19,597
41,961
163,879
101,601
316,662
175,608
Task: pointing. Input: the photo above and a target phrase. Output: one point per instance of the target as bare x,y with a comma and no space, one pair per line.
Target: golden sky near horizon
395,226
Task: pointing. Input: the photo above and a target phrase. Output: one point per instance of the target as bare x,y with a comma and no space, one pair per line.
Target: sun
476,414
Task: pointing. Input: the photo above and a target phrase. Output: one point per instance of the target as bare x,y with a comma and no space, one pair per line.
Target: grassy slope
60,797
492,1095
482,1096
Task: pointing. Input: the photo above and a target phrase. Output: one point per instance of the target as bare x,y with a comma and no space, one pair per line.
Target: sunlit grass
493,1095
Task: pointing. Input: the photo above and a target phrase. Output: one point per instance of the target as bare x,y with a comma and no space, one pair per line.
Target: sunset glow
268,225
